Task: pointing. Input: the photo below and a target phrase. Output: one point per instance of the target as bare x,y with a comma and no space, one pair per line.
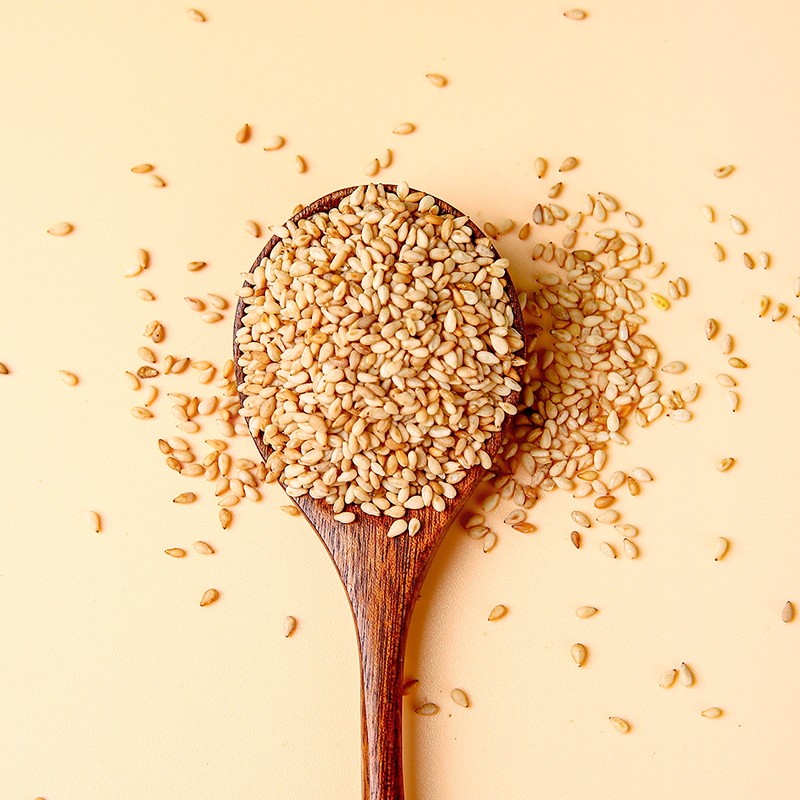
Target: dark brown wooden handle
381,625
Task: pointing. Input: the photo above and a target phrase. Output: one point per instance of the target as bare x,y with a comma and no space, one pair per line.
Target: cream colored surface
114,682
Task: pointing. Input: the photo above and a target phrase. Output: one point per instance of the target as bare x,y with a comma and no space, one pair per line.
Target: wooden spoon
382,576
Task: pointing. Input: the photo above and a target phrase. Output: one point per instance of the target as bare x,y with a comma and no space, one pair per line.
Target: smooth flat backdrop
113,681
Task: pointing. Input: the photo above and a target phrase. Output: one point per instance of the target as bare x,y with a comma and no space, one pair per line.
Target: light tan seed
737,363
204,548
289,626
60,229
196,266
195,15
578,652
719,253
372,168
251,227
685,674
712,326
93,520
141,168
300,164
460,698
723,465
555,190
540,165
70,378
243,134
642,474
414,526
568,163
723,172
725,380
580,518
146,354
346,517
225,518
680,415
748,261
779,312
426,709
607,550
210,317
150,395
173,463
575,13
584,612
489,541
274,143
175,552
667,678
524,232
630,549
185,497
490,503
604,501
674,367
514,517
497,612
404,128
726,345
733,400
155,181
439,81
626,529
633,219
787,613
397,528
619,724
737,226
708,213
764,258
139,412
209,596
712,713
720,547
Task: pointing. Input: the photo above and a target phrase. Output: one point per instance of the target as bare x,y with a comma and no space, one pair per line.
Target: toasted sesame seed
626,529
185,497
667,678
409,685
720,547
372,168
578,652
175,552
584,612
274,143
243,134
685,674
723,172
733,400
196,266
139,412
779,312
225,517
93,520
426,709
737,363
404,128
712,326
60,229
195,15
619,724
300,164
460,698
497,612
540,165
490,503
489,541
70,378
764,259
748,261
725,380
209,596
289,626
437,80
568,163
674,367
397,528
787,613
712,713
633,219
346,517
723,465
141,168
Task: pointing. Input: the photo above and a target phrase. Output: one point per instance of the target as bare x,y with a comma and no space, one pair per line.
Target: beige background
114,682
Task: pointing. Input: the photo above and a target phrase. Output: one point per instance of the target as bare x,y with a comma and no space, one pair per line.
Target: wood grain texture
382,576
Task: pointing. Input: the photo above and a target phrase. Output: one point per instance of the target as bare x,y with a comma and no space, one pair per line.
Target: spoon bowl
382,576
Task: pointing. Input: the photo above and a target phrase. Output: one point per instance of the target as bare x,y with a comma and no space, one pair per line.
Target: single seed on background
796,286
300,164
196,266
141,168
607,550
540,165
737,363
725,380
195,15
667,678
708,213
720,547
439,81
397,528
568,163
685,674
426,709
723,172
203,548
680,415
787,613
619,724
385,160
409,685
251,227
141,413
711,713
674,367
737,226
578,652
274,143
575,13
372,168
404,128
712,326
660,302
292,511
489,541
225,517
460,698
748,261
719,253
764,259
60,229
209,596
155,181
575,538
555,190
626,529
185,497
497,612
524,232
93,519
289,626
243,134
733,400
727,344
144,294
633,219
629,548
584,612
779,312
581,519
724,464
175,552
763,305
490,230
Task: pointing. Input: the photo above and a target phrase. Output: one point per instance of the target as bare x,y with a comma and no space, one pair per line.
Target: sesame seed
723,172
209,596
274,143
619,724
93,520
708,213
712,713
243,134
540,165
60,229
426,709
685,675
667,678
289,626
787,613
439,81
575,13
568,163
579,653
720,547
497,612
404,128
737,226
70,378
175,552
195,15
